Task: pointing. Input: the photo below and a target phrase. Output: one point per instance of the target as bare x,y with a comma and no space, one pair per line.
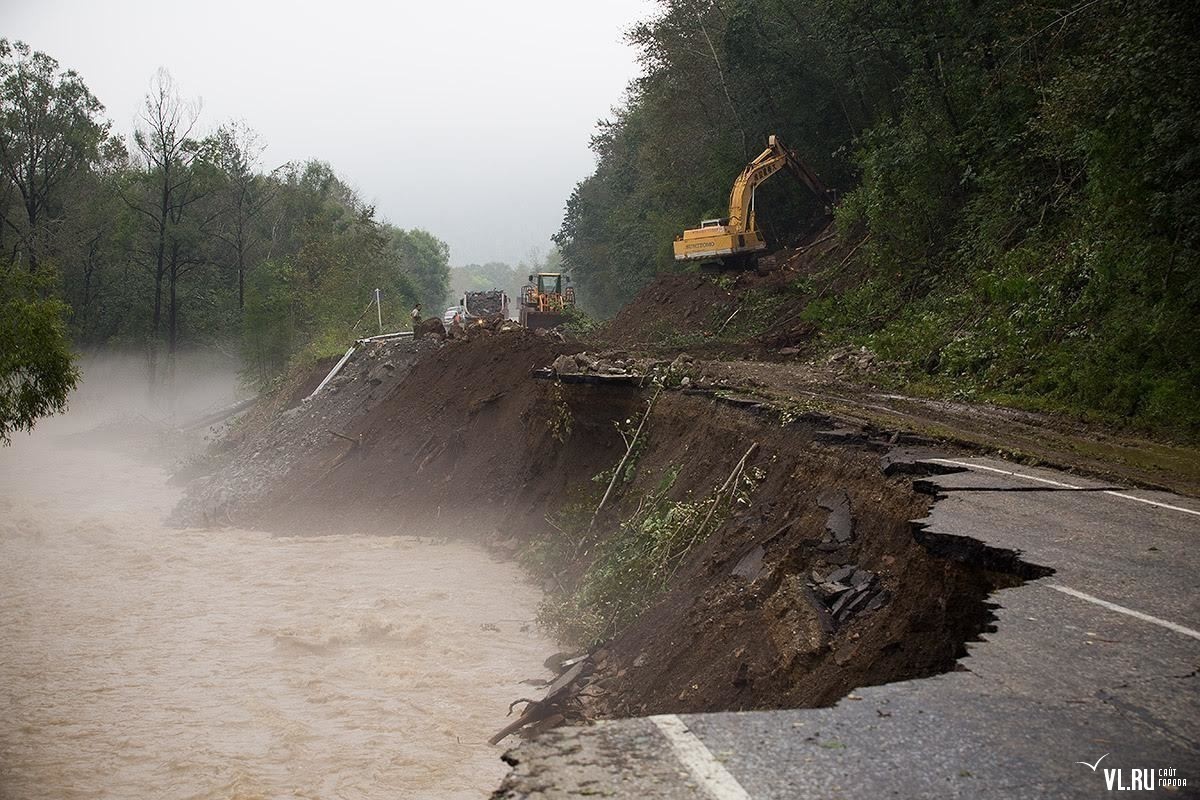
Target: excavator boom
738,234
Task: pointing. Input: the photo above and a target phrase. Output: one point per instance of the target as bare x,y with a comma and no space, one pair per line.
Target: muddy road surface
142,661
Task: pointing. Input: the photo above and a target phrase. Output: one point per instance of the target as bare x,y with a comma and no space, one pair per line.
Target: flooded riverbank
141,661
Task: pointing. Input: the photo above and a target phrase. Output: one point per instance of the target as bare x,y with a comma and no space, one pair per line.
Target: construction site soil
816,583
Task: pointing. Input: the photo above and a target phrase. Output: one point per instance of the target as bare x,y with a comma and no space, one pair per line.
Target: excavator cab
545,298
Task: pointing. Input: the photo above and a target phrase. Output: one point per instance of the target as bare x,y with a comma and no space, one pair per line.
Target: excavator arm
770,161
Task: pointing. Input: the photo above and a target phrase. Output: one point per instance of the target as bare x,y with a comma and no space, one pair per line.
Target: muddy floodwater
138,661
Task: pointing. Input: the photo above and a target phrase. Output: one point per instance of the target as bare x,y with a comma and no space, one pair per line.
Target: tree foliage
36,371
50,129
1025,170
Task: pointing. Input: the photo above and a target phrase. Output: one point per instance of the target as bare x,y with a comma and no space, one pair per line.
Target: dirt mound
455,441
282,436
674,304
734,311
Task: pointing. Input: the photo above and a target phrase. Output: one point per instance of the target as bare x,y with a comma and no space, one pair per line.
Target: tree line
1021,174
174,237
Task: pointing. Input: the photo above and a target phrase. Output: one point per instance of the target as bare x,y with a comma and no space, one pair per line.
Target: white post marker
709,773
379,311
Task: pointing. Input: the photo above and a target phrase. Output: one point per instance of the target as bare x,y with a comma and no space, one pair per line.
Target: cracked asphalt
1100,657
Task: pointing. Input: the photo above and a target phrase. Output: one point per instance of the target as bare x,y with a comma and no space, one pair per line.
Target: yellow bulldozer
545,299
735,240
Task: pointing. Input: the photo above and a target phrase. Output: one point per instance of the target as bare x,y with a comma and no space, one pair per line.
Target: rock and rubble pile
472,328
236,479
848,590
491,304
683,371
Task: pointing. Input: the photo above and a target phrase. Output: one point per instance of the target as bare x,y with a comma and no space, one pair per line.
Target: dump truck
484,306
545,300
735,240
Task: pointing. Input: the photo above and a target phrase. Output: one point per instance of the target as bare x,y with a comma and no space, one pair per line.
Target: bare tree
169,156
246,195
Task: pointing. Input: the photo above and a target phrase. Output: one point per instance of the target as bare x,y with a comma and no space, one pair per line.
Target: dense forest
1023,177
176,237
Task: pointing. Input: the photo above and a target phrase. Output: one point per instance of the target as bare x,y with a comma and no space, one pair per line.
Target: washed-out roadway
1101,658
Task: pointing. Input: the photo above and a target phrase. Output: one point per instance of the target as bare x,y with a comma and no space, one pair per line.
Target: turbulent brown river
138,661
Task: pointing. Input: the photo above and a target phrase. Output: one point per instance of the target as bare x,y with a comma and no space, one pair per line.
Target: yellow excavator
736,239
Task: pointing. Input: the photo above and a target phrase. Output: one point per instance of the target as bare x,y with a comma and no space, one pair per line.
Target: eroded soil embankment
810,585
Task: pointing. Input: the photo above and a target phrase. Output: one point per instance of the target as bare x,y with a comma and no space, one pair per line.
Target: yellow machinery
545,299
737,237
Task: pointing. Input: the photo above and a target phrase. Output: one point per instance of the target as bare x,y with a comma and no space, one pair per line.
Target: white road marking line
1122,495
699,760
1154,503
969,465
1122,609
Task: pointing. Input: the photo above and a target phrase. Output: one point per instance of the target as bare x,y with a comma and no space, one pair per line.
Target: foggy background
468,119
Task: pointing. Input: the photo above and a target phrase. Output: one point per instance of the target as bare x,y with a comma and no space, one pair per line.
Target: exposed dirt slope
743,312
747,329
285,433
747,622
782,605
454,441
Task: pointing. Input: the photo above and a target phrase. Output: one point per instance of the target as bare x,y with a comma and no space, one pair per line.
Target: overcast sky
468,118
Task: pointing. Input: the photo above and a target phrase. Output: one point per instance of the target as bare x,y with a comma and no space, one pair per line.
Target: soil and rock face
285,437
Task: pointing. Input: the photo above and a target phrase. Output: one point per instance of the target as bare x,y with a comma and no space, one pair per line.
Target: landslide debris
813,586
806,583
450,445
751,329
733,312
238,478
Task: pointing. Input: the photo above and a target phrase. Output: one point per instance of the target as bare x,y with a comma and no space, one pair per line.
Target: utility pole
379,311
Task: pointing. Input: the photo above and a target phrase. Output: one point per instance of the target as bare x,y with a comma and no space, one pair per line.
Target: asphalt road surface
1098,660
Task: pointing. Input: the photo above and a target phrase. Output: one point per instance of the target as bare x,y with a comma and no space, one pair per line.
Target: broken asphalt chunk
840,574
840,524
861,577
879,600
751,564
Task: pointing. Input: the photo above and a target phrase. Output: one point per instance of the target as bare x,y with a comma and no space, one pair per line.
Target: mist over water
138,661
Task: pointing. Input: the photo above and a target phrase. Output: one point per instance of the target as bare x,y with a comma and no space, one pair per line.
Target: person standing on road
416,316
